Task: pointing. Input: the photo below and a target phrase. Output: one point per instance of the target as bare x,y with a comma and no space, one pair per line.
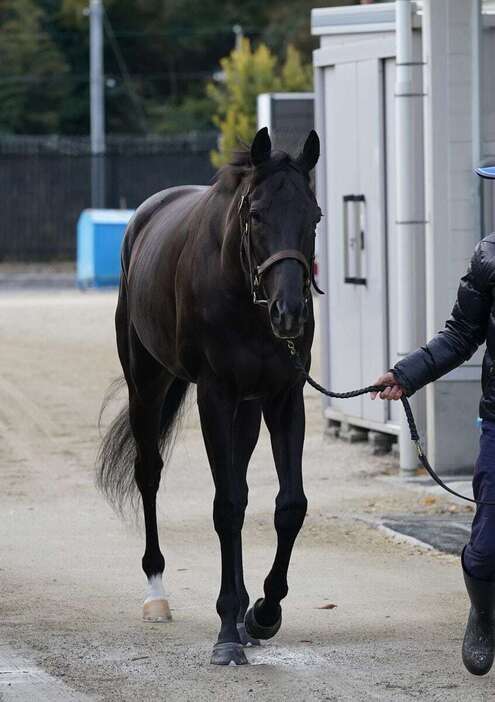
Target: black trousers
479,554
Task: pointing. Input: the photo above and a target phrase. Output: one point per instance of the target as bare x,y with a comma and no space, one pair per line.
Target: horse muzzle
288,320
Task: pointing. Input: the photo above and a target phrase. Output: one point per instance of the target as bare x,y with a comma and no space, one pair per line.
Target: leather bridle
255,271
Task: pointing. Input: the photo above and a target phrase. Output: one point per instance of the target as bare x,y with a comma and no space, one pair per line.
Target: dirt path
71,586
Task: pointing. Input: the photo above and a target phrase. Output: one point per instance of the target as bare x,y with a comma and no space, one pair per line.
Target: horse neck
230,242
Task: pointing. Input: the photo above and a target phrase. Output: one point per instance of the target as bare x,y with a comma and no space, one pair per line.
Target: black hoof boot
246,640
259,631
228,654
479,641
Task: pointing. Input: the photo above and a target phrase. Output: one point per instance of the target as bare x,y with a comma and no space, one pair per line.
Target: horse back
161,209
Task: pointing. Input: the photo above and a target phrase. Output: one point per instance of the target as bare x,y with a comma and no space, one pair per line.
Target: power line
83,78
121,34
125,72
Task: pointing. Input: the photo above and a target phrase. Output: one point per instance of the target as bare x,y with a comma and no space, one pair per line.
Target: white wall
452,149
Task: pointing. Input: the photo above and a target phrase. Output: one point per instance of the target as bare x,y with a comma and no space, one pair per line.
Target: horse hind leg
145,423
153,412
245,638
142,430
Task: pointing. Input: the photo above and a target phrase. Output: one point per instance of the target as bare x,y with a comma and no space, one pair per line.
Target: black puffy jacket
471,323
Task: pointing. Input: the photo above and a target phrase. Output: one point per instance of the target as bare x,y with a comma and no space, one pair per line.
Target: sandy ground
71,585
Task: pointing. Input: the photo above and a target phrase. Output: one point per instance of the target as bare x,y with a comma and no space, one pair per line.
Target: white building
405,107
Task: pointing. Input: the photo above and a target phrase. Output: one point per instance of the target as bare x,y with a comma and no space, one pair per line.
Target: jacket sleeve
463,333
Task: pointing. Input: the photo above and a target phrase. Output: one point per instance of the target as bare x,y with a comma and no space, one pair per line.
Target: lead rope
413,430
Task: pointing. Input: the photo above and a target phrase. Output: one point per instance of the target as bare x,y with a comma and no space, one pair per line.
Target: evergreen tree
296,76
246,73
33,72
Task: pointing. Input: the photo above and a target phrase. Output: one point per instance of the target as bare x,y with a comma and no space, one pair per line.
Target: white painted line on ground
398,536
395,535
21,681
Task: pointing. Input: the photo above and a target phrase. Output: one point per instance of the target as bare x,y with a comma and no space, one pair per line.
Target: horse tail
117,453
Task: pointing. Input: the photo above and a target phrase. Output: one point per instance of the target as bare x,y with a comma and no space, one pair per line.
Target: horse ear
261,148
308,159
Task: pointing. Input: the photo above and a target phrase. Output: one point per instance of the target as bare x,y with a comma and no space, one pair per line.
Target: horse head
279,214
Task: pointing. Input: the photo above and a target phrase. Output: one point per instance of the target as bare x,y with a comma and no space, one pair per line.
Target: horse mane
240,169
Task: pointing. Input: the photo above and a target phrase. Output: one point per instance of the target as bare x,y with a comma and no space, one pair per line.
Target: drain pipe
410,216
477,41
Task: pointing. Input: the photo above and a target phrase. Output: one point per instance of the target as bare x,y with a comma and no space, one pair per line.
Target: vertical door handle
354,227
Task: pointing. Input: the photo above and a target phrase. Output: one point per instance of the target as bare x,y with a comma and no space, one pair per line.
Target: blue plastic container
99,238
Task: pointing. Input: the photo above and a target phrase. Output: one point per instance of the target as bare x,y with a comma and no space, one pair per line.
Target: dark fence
45,183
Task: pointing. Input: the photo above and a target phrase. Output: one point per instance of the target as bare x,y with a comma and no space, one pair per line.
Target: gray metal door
356,229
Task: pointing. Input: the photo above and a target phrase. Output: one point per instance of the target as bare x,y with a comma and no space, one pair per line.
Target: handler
471,323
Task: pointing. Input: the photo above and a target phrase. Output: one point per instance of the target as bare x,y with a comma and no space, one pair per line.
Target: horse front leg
230,430
246,433
284,417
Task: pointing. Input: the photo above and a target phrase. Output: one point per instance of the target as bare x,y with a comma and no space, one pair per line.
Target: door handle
354,227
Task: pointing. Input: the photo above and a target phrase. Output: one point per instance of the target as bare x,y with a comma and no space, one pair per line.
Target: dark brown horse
196,265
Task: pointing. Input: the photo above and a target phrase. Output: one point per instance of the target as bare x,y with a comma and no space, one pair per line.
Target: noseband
255,271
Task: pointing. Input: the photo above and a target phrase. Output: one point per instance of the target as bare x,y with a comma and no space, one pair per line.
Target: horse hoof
256,630
156,611
246,640
228,654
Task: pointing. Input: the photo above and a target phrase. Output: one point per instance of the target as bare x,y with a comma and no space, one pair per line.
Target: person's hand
393,392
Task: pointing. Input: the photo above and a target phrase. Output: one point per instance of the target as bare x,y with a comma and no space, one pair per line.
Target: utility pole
97,100
239,35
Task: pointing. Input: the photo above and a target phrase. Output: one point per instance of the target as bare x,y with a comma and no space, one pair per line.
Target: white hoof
156,611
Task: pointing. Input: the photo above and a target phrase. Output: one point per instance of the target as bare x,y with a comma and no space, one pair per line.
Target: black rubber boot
479,640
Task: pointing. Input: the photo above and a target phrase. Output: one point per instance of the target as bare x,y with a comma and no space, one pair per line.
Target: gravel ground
71,585
37,276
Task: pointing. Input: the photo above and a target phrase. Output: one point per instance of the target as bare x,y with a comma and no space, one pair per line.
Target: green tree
296,76
171,49
74,12
246,73
33,73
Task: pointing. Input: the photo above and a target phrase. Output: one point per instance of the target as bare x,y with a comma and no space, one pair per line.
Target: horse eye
255,216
